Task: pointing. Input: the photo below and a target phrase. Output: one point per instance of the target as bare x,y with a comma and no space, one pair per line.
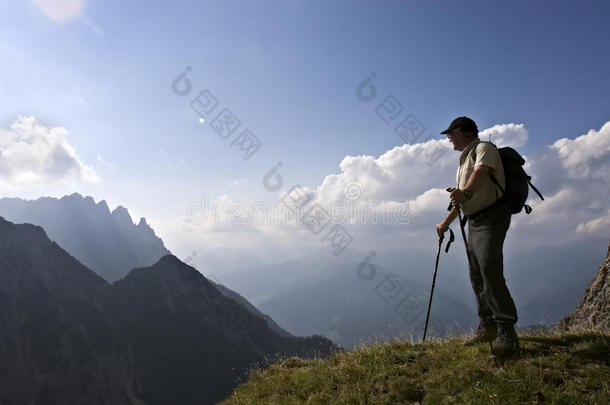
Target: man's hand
441,229
444,225
457,196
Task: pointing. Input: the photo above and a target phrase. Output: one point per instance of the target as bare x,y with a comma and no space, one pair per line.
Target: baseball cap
464,123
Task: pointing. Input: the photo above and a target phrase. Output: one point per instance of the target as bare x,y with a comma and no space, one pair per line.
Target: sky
93,103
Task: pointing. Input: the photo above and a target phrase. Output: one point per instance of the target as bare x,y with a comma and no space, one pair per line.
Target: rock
593,310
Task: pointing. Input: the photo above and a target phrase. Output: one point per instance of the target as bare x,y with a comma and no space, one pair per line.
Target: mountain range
107,242
162,334
546,282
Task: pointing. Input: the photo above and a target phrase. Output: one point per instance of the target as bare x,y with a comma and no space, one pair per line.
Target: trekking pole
438,253
464,236
461,227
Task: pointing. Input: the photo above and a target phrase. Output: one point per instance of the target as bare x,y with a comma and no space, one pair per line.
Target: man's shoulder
486,149
486,146
487,154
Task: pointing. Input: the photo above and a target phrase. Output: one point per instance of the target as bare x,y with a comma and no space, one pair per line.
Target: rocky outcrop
593,310
162,334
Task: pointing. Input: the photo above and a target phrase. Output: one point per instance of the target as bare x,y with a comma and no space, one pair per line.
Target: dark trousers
486,233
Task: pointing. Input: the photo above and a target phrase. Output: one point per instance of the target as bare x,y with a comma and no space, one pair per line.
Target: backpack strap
493,178
534,188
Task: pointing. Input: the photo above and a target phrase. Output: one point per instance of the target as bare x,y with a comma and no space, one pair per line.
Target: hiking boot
507,342
483,334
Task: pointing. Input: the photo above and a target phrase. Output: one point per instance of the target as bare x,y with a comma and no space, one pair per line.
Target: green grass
555,368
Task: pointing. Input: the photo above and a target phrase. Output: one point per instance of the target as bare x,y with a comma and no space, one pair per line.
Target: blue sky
289,71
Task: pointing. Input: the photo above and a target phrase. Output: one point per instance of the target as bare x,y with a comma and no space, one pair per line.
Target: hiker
488,218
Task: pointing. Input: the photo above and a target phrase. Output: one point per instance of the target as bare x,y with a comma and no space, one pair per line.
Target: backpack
517,180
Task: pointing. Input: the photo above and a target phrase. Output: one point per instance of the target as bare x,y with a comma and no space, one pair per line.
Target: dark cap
465,123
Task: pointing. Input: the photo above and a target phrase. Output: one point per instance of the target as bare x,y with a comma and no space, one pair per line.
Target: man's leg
487,330
486,239
478,287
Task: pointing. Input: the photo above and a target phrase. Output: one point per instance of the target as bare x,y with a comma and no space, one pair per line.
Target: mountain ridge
73,220
163,333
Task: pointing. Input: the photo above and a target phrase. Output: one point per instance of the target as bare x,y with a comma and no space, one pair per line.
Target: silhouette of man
488,217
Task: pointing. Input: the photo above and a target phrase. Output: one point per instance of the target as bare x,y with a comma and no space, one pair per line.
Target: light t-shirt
487,155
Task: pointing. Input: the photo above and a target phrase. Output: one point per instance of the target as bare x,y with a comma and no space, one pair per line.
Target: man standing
488,220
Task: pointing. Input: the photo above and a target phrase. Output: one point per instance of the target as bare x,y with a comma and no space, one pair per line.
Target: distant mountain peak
169,260
168,270
108,243
71,196
86,199
34,231
120,209
122,215
77,196
42,262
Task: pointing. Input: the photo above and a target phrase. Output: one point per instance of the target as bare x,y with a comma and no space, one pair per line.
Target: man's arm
457,196
481,172
475,181
443,226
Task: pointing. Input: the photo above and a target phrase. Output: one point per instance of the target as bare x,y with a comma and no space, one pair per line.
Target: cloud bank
32,155
571,174
574,176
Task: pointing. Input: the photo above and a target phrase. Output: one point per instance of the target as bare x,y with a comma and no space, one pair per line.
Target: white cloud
399,174
32,156
595,226
573,176
513,135
434,200
586,155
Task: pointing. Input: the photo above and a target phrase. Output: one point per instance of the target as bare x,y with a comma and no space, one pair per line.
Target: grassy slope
555,368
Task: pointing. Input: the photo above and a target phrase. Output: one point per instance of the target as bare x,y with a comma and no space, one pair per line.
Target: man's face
459,139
